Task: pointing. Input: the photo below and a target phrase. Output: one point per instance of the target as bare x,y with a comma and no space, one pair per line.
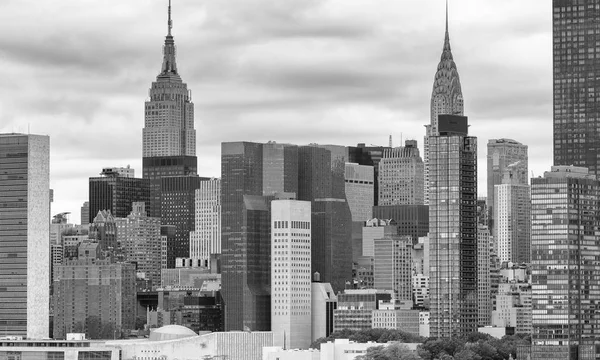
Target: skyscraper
24,235
401,176
453,228
359,191
206,237
446,99
113,192
502,153
512,230
576,94
291,273
370,156
483,276
169,137
392,268
564,244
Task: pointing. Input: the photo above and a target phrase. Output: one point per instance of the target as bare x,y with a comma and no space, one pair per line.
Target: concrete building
420,290
502,154
397,319
565,214
95,297
139,238
401,176
360,185
376,229
24,234
206,238
122,171
115,193
513,307
369,156
85,213
323,303
483,276
453,228
103,230
446,99
290,273
393,265
512,209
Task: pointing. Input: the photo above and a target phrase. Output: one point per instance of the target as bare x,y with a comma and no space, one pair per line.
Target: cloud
333,71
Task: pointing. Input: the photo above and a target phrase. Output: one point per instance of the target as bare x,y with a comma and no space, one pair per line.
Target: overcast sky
298,71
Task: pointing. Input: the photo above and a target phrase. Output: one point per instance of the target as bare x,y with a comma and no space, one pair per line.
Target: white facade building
323,303
401,176
291,273
206,239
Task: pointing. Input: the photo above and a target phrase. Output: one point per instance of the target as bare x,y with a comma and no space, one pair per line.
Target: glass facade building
116,193
453,229
24,235
576,63
565,272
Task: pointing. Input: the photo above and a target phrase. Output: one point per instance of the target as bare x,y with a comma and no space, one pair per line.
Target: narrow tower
446,98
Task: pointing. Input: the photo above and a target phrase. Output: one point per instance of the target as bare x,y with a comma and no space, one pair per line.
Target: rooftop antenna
390,140
170,22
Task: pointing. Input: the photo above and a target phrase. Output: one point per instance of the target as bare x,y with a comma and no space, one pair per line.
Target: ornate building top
169,65
446,97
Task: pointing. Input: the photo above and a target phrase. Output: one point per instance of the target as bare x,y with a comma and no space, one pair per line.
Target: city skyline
248,66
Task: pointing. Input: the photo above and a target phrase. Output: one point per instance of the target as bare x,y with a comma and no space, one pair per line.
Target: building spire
447,35
169,67
170,22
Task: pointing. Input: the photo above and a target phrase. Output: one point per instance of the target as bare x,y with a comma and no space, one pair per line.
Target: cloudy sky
298,71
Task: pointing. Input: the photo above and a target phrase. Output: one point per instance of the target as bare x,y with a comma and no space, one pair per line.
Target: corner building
24,235
453,229
565,247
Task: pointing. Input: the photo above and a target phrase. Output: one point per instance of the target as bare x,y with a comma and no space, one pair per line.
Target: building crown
169,65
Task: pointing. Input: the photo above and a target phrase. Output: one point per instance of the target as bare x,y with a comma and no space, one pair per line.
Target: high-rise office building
376,229
502,154
401,176
359,191
392,268
576,95
564,244
411,220
245,288
512,229
321,181
453,228
139,237
103,230
291,273
116,193
446,99
206,238
178,203
323,303
24,235
169,137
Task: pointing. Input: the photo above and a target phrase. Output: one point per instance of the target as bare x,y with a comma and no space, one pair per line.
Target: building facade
393,265
512,229
360,190
116,193
564,239
446,99
576,99
291,273
401,176
323,303
453,228
206,238
95,297
24,235
503,155
411,220
483,276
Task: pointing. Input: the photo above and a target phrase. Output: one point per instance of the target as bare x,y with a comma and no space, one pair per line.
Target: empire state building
169,137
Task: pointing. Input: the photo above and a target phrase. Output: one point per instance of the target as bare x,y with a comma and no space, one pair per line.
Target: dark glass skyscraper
576,83
453,228
565,249
116,193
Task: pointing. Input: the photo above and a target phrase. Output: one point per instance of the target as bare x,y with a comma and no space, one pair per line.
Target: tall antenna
170,22
390,141
446,15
